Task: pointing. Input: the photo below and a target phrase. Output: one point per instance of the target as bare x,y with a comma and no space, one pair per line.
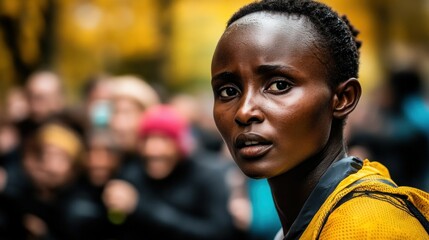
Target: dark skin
275,108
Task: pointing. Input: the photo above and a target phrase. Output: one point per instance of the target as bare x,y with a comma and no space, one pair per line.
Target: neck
291,189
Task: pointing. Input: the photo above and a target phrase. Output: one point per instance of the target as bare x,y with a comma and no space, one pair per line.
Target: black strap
416,212
344,199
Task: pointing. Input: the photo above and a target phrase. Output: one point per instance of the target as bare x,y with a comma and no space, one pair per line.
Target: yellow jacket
357,200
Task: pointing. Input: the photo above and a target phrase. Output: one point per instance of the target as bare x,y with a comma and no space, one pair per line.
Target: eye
227,92
279,86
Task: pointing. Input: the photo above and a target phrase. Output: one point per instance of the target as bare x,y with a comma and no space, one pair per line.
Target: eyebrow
224,76
261,70
264,69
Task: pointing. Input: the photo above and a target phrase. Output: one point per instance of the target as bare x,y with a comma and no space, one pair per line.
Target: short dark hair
337,34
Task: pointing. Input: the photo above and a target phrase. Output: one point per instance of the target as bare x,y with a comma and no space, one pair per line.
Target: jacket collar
326,185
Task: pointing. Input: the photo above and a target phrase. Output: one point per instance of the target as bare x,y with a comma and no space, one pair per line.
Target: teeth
248,143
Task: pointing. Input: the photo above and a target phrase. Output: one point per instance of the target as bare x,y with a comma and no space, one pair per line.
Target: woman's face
161,155
101,163
57,165
124,122
273,104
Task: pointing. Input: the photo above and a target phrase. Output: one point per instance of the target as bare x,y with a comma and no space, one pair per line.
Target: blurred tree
400,25
168,42
27,28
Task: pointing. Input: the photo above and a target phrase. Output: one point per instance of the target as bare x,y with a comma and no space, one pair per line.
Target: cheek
98,159
306,125
224,121
64,167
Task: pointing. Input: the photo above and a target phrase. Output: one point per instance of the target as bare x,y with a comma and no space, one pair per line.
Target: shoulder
372,217
205,169
131,170
207,177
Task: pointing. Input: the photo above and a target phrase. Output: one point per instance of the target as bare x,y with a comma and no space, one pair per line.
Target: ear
346,98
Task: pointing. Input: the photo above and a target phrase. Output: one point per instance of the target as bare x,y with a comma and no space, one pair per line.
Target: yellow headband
61,137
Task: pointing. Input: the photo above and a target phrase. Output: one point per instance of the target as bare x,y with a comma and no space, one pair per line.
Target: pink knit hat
164,119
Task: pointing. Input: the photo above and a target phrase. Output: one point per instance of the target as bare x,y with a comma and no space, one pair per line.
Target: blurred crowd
122,164
391,126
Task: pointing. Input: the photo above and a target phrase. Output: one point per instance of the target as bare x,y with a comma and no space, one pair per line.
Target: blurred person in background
10,155
89,216
197,110
46,98
12,176
131,97
97,97
15,111
173,196
17,106
12,181
416,107
9,142
396,132
207,144
102,157
53,163
265,222
250,204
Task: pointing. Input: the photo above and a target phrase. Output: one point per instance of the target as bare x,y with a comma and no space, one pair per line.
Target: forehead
271,25
269,37
274,21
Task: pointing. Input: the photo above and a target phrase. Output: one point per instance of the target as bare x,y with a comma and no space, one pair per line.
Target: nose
249,111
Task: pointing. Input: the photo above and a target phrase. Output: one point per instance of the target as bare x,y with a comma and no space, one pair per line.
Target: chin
256,176
157,176
256,172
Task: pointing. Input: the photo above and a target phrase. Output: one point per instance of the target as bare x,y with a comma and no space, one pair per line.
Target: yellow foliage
6,68
10,8
92,36
196,28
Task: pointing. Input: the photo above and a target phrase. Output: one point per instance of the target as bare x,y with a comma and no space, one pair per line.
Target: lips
252,145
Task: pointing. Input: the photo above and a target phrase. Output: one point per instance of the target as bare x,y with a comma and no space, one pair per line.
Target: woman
284,77
168,194
52,162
